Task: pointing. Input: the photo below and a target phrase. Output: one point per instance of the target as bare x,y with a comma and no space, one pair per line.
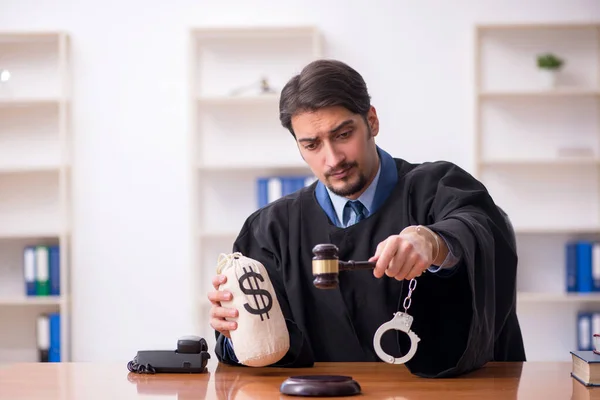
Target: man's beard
350,188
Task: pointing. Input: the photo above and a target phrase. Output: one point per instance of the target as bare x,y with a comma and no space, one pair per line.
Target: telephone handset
191,356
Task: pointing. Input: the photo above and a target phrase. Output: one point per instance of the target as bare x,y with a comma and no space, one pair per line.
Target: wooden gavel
326,266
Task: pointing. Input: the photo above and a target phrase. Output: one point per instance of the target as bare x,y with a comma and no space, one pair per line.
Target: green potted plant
549,65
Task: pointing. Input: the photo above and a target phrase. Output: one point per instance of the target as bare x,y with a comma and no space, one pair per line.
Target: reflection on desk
193,386
66,381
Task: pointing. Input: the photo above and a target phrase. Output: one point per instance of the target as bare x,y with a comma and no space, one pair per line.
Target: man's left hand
403,256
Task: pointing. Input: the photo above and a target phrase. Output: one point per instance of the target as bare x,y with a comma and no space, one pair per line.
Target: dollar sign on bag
264,306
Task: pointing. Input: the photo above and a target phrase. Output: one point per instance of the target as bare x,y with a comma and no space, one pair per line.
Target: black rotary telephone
190,357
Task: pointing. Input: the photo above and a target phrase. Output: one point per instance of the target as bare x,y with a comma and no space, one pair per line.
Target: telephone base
191,357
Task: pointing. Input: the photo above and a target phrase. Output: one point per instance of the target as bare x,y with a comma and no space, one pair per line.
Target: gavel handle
352,265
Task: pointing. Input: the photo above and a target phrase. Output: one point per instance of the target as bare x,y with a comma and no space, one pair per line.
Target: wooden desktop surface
378,381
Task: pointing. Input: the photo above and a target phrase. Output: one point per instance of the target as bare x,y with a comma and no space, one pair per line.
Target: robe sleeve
253,242
449,262
459,207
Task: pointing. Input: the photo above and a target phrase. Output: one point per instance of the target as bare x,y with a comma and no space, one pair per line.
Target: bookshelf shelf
31,301
549,162
550,298
28,233
28,102
271,100
236,76
16,168
238,34
226,235
252,169
507,94
557,230
35,181
537,150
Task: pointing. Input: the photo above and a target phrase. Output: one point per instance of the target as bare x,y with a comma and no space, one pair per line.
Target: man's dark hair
323,83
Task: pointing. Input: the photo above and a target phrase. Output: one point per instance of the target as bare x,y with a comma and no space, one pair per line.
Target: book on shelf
41,270
271,188
583,266
48,337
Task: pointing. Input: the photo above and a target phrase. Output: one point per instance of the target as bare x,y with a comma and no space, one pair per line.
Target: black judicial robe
464,319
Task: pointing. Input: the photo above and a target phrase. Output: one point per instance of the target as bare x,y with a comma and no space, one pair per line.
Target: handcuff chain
407,301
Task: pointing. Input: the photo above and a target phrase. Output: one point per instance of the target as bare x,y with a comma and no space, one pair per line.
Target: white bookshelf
35,180
236,135
537,149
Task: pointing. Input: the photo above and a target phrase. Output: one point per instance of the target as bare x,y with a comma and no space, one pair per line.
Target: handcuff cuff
401,321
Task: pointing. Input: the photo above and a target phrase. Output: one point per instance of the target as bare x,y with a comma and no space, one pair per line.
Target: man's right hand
219,313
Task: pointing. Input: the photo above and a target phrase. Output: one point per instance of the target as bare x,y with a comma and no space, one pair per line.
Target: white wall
130,116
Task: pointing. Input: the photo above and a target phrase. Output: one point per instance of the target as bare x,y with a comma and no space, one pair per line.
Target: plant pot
548,78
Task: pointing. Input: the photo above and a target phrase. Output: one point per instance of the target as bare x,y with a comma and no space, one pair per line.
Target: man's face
339,148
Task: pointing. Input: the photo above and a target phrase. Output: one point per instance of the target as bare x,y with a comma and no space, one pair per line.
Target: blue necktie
358,208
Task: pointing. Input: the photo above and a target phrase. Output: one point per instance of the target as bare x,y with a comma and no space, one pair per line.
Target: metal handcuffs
401,322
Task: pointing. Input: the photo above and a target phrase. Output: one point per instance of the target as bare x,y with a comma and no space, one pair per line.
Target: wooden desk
89,381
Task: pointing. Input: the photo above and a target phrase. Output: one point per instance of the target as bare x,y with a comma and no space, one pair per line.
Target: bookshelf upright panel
537,144
237,75
35,178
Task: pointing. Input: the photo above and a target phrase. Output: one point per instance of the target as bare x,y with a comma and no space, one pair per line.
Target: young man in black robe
464,304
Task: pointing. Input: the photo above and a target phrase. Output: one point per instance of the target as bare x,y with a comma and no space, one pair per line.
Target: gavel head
325,266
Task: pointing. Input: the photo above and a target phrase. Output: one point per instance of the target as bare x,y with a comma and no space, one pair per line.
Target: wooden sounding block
320,386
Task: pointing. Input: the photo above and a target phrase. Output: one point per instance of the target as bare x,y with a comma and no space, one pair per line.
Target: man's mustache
342,167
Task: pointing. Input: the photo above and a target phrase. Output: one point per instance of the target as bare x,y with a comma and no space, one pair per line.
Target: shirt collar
382,186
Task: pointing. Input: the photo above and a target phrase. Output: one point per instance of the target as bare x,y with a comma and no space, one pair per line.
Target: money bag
261,337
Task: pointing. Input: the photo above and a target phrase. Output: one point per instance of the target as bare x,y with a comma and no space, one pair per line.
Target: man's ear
373,121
